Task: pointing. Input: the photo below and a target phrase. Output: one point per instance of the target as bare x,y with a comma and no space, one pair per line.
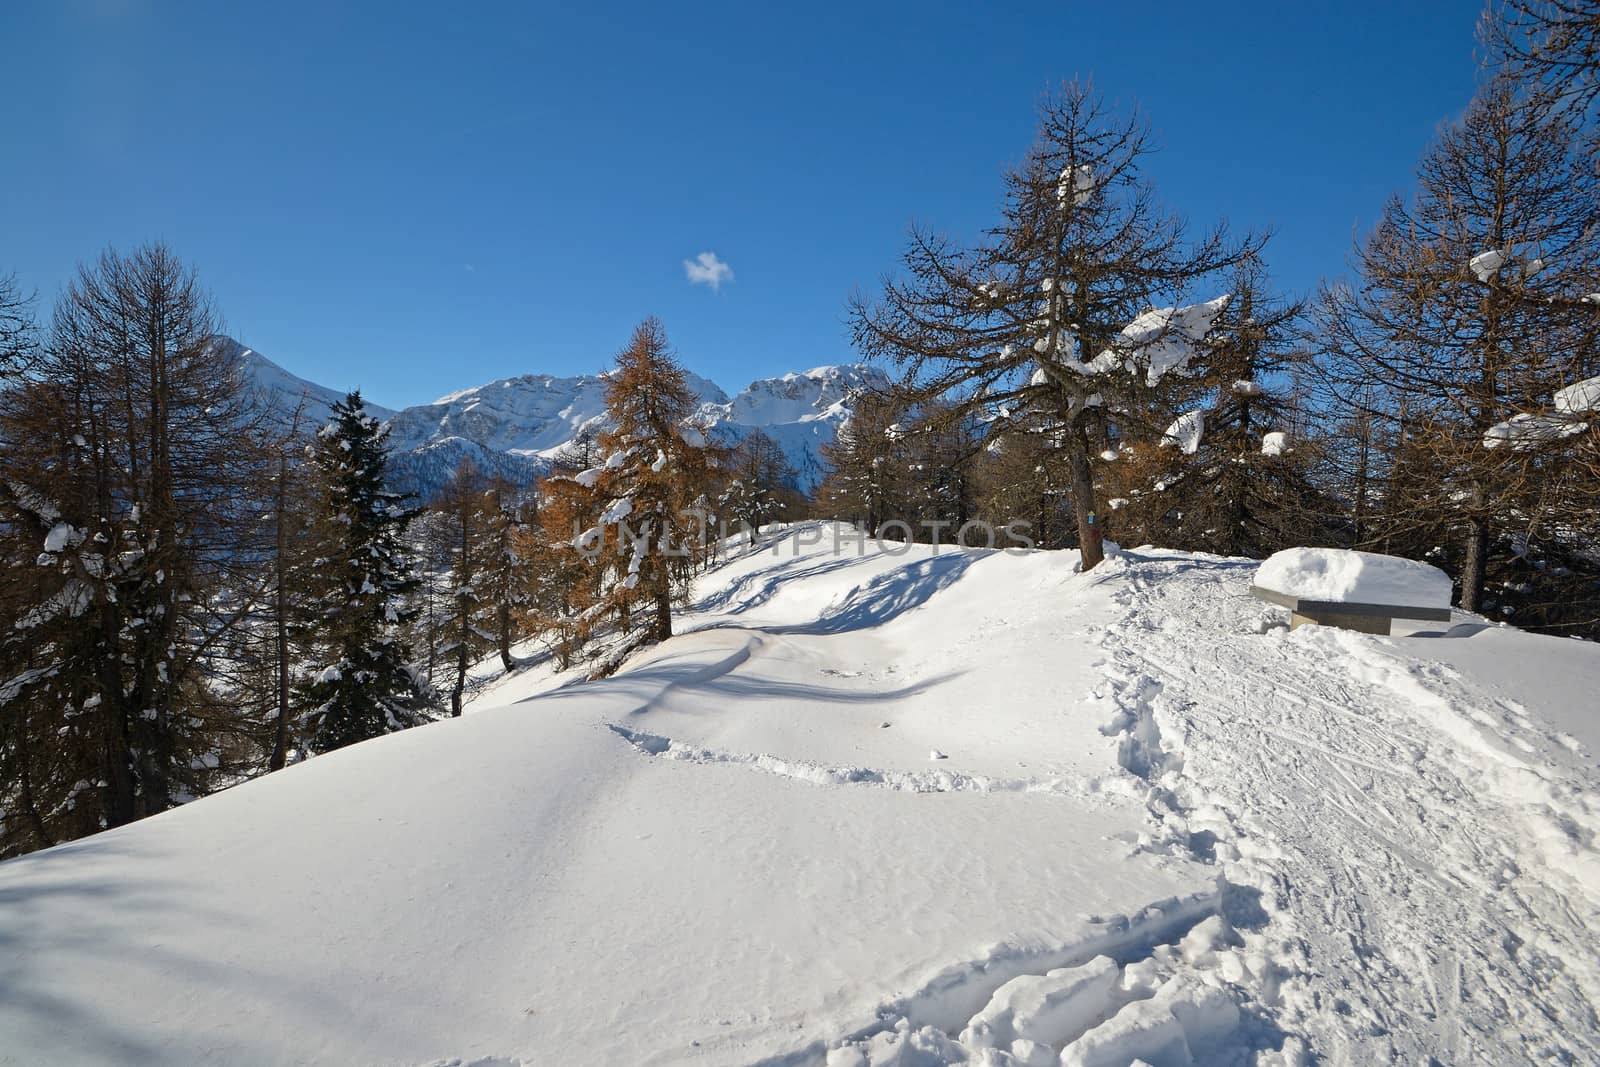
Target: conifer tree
1471,313
130,484
465,532
507,568
287,606
17,331
940,449
760,487
563,588
361,686
656,468
1057,316
1552,47
1232,473
1021,478
864,483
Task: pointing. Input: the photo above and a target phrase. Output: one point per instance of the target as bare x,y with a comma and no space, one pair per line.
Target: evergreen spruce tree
363,687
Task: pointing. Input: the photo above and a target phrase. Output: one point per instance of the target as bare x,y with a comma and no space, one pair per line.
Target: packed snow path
1425,847
881,808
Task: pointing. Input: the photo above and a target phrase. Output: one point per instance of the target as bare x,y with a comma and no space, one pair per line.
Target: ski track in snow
1385,833
1369,839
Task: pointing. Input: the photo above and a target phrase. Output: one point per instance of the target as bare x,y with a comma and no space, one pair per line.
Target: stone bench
1367,618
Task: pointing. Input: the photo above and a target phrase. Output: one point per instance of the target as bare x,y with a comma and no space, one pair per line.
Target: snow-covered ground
882,808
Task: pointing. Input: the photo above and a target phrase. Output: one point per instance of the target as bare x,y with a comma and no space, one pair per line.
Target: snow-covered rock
1344,576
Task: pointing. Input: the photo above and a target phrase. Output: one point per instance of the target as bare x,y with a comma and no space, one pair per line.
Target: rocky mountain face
515,426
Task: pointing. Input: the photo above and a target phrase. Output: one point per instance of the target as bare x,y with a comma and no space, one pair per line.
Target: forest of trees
1098,369
200,585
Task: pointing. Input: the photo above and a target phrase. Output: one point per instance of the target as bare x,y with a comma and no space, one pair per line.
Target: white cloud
707,269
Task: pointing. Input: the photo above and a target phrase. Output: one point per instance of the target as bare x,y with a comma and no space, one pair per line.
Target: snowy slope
286,390
1162,827
515,425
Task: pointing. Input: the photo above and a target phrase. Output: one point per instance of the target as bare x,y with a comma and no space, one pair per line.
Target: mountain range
515,426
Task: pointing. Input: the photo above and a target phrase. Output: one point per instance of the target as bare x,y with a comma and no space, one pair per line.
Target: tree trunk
663,612
116,751
504,618
30,807
1358,513
1474,561
280,728
461,679
1090,547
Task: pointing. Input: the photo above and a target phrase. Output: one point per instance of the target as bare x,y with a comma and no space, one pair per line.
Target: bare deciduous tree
1056,318
1469,313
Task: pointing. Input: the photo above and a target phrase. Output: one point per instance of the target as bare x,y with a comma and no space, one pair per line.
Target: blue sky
414,198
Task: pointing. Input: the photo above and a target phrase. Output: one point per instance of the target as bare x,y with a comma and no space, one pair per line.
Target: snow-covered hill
514,426
881,806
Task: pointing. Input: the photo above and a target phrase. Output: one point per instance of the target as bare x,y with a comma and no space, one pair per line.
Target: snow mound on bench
1343,576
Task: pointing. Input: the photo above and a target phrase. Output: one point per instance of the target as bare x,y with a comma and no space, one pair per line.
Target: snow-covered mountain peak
796,398
285,389
515,426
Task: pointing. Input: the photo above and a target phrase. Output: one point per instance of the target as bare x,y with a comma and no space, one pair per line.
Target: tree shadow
769,581
887,596
87,934
42,881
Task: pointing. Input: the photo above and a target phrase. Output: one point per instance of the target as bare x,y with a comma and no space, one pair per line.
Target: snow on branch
1529,431
1161,341
1185,432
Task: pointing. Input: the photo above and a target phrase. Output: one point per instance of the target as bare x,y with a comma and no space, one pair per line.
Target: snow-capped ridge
287,389
515,426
